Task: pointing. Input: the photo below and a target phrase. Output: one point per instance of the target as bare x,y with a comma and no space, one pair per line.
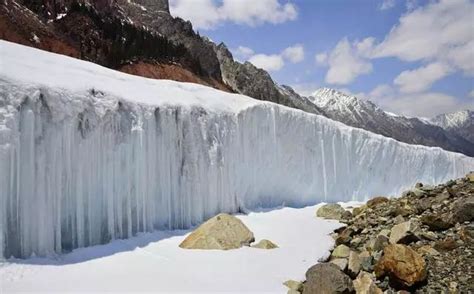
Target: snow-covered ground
154,262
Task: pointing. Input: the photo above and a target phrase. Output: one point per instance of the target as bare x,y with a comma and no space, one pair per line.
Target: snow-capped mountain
88,155
364,114
460,122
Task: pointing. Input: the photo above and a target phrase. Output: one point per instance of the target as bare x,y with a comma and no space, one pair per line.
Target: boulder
358,210
354,264
341,251
427,250
372,203
366,261
265,244
467,234
470,177
402,264
405,232
330,211
294,285
340,262
464,210
222,232
436,222
327,278
365,284
447,244
345,236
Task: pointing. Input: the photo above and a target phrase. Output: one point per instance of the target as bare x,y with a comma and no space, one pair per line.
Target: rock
429,236
372,203
358,210
223,232
366,261
418,185
354,264
402,264
341,251
423,204
398,219
427,250
380,242
327,278
365,284
405,232
294,285
330,211
345,236
418,192
467,234
464,210
470,177
436,222
447,244
340,262
265,244
291,291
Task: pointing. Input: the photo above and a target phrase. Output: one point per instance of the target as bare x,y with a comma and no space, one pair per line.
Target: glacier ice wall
78,169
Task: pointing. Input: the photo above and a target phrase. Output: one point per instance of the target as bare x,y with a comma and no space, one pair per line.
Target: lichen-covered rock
330,211
402,264
223,232
341,251
327,278
265,244
354,264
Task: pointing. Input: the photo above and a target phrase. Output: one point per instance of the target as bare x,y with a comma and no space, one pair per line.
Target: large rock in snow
330,211
222,232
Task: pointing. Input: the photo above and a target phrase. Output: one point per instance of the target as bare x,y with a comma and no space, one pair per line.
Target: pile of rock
421,242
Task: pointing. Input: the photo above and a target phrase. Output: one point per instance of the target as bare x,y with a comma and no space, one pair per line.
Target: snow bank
89,155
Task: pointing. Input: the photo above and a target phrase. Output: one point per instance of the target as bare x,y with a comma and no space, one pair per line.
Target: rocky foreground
421,242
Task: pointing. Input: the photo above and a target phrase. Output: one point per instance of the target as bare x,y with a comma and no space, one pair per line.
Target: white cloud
421,79
346,64
275,62
305,89
272,62
440,31
207,14
425,104
471,94
242,53
294,53
387,4
321,58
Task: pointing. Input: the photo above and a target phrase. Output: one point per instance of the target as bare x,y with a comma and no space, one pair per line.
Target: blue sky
411,57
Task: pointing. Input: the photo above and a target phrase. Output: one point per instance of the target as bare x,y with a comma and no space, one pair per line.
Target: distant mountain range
141,37
364,114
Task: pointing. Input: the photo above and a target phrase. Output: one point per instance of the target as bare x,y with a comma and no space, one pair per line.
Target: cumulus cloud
294,53
387,4
421,79
440,31
207,14
424,104
321,58
345,63
272,62
471,94
242,53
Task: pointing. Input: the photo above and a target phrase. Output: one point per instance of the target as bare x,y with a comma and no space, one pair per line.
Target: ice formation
88,155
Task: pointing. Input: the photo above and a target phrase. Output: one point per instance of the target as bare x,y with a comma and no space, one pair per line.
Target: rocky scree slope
422,242
364,114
